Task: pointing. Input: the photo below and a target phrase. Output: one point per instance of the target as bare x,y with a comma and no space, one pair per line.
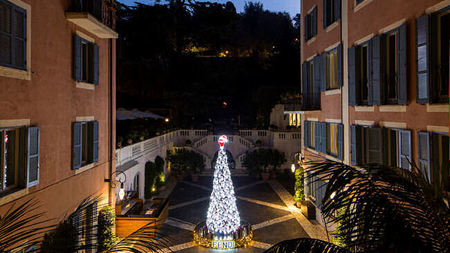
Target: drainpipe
111,118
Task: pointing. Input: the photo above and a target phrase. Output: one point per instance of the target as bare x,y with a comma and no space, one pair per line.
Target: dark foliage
62,239
383,209
305,245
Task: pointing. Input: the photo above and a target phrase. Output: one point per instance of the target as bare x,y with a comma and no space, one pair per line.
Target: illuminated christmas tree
223,216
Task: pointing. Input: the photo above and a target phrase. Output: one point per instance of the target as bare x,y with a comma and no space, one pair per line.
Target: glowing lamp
166,120
293,168
121,192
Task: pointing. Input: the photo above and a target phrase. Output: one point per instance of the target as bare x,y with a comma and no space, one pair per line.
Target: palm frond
383,208
22,226
305,245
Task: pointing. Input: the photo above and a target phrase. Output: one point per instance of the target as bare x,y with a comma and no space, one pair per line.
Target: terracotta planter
308,209
119,144
265,176
130,141
194,177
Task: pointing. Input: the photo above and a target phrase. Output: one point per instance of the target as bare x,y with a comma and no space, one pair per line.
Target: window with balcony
85,143
19,158
12,36
323,137
432,52
331,12
311,24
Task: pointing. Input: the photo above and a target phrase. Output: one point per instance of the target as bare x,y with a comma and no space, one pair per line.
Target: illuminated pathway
266,205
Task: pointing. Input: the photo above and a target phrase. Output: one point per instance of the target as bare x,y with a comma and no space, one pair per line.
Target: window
85,222
359,1
310,127
433,156
282,136
376,146
362,73
12,35
377,70
19,157
311,84
332,137
331,12
86,66
432,50
85,143
311,24
332,70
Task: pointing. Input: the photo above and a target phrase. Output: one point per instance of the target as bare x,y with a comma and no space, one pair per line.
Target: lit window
331,70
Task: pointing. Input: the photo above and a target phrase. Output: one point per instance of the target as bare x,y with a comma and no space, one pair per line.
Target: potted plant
119,141
299,196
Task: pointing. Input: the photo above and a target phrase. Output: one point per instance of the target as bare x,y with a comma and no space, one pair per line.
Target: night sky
290,6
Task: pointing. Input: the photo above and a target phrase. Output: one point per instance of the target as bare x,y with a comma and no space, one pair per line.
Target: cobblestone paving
265,205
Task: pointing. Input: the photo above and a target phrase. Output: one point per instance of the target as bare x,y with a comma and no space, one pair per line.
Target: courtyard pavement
266,205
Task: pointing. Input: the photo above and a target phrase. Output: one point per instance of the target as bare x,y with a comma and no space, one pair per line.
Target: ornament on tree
223,216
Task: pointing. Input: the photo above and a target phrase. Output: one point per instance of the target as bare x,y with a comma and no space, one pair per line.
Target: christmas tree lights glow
223,217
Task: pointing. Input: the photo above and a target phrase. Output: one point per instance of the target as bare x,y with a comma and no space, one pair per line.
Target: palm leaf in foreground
22,226
384,209
305,245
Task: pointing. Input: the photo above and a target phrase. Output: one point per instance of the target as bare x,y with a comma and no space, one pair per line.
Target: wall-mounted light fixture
121,181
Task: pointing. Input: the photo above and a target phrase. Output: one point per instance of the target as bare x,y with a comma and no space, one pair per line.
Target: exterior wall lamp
121,181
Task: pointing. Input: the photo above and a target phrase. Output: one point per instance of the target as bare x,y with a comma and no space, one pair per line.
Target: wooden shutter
337,9
76,146
324,137
96,64
355,144
402,65
317,137
77,58
323,71
305,134
33,156
94,129
376,70
325,14
339,64
314,16
351,77
405,157
369,72
340,141
374,145
424,154
422,59
305,98
317,81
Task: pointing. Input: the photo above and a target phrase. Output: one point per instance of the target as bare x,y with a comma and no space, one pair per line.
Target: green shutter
375,84
33,156
351,77
317,81
323,134
422,59
405,154
76,146
424,154
340,141
77,58
94,130
402,65
317,137
96,64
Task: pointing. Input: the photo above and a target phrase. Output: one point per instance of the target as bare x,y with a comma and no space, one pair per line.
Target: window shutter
77,58
353,149
323,72
324,137
374,145
96,61
318,139
317,80
33,156
376,71
339,64
402,64
340,141
351,77
76,146
324,14
315,22
405,158
305,98
94,130
305,134
422,59
424,154
337,9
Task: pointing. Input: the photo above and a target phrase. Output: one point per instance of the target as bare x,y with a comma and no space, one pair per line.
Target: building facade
57,75
375,84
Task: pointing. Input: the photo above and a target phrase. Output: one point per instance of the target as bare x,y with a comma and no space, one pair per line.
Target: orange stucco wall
51,101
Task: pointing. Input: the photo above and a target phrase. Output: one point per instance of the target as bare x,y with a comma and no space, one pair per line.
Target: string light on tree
223,216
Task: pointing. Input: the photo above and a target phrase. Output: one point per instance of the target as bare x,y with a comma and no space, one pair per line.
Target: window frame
360,82
330,139
17,157
328,70
440,98
390,79
311,24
